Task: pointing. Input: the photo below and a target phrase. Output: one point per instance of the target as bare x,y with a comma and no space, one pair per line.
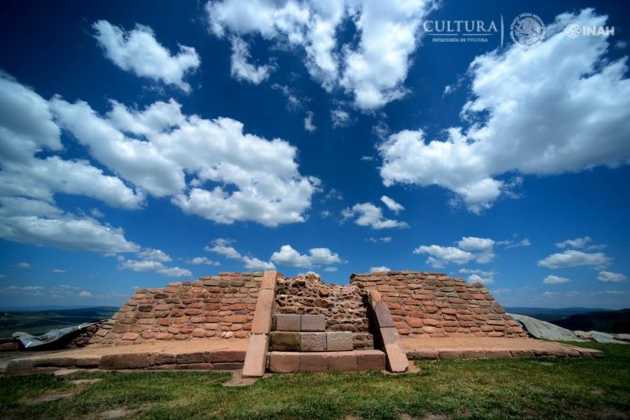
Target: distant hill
41,321
552,314
607,321
584,319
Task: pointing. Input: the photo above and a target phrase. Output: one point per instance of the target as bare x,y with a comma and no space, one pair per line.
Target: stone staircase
300,343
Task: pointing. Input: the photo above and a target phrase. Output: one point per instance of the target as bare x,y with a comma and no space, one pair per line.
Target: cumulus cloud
367,214
224,248
469,248
574,258
483,248
316,257
152,260
339,118
391,204
574,243
139,52
309,125
610,277
373,71
551,279
478,276
439,256
379,269
235,176
203,261
242,69
522,120
28,183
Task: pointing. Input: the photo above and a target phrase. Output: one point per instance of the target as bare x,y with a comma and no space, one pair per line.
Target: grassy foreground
548,388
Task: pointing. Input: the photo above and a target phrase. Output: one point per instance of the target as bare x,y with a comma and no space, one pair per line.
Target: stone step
320,341
296,322
338,361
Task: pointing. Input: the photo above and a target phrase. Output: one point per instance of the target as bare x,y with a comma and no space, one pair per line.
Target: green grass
543,388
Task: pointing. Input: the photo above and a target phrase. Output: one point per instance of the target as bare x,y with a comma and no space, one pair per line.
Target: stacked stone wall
343,306
434,305
220,306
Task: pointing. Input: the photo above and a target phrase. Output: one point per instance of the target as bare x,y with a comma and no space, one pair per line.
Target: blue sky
143,145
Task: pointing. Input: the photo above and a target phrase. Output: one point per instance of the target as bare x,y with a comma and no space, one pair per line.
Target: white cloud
248,178
482,247
242,69
469,248
379,269
85,294
58,270
610,277
439,256
152,260
154,255
139,52
574,243
573,258
515,244
551,279
367,214
391,204
24,265
289,256
309,125
522,119
373,71
384,239
203,261
255,264
339,118
65,231
478,276
222,247
26,128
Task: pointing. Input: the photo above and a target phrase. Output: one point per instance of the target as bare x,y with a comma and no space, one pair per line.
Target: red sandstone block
285,341
262,316
130,336
312,323
370,359
383,315
269,280
341,361
256,356
339,341
423,354
313,362
396,358
126,361
284,362
287,322
187,358
313,341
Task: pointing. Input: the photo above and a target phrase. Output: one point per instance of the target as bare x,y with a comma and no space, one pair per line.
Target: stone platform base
218,354
488,347
337,361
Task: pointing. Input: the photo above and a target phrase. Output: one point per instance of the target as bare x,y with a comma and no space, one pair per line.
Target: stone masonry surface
343,306
435,305
220,306
223,306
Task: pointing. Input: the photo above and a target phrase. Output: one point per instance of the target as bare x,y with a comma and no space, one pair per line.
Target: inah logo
527,29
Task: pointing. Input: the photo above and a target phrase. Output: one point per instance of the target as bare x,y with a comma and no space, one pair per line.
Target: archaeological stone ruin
302,323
